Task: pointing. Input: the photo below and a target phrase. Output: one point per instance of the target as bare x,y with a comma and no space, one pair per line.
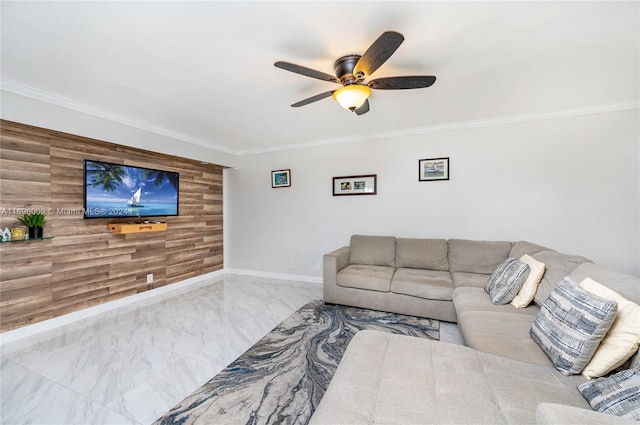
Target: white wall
571,184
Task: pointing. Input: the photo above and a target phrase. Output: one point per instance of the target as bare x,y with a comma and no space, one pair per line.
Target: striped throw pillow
506,281
570,325
617,395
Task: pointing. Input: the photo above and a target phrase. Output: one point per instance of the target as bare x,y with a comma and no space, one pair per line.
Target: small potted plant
34,222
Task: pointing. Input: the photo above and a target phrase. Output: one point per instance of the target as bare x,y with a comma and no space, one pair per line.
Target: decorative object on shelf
281,178
355,185
6,235
34,222
18,233
433,169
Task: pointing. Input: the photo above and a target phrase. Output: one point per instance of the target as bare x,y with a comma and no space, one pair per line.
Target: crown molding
64,102
437,128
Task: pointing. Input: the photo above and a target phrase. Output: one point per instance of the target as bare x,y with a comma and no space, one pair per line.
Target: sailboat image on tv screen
134,201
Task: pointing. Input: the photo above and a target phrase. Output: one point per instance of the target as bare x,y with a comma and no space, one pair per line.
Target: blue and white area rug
281,379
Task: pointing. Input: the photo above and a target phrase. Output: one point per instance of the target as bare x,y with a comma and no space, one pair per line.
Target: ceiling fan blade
308,72
313,99
363,109
378,53
400,83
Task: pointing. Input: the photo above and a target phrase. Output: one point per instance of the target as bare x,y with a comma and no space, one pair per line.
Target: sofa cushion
624,284
617,395
482,325
374,278
530,285
520,248
506,281
571,324
504,333
622,340
476,280
373,250
429,284
476,256
468,298
430,254
561,414
557,266
385,378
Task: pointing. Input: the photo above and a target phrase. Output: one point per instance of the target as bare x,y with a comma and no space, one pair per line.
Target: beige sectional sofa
500,376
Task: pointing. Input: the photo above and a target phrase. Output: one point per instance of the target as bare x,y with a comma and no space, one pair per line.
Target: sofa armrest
560,414
333,262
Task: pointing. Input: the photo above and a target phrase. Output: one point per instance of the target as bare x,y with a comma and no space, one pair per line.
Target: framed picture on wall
281,178
432,169
355,185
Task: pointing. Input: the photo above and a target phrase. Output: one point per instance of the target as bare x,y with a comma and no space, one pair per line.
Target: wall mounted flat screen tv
122,191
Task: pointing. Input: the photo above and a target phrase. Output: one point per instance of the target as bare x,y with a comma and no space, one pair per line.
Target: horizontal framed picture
432,169
281,178
355,185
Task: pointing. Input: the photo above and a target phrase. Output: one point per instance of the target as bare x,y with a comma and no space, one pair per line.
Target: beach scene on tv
115,190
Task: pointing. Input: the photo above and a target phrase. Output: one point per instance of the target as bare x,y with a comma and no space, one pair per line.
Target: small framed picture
355,185
281,178
433,169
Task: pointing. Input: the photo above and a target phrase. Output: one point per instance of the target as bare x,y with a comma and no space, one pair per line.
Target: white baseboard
92,312
97,312
280,276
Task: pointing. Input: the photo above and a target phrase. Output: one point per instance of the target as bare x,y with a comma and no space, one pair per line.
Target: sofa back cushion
429,254
373,250
624,284
520,248
557,267
477,256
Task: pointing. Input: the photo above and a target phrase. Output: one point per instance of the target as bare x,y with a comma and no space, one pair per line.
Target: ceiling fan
352,70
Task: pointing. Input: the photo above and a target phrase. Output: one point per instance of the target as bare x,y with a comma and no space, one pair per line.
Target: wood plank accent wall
85,264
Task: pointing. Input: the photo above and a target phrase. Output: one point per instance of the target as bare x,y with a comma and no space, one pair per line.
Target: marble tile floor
135,364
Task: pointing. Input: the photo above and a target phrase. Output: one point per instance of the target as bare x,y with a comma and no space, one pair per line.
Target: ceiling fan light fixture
352,97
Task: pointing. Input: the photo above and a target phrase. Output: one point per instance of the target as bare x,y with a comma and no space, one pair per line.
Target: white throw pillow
622,340
530,286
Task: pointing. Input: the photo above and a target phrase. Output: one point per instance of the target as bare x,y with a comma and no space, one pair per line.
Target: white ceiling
203,71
